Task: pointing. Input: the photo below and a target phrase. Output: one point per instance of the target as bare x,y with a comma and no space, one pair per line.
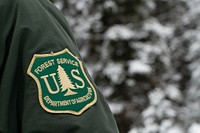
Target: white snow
119,32
175,129
107,91
153,128
165,125
170,112
194,128
147,48
114,72
134,131
151,4
165,109
156,96
149,121
147,51
195,69
161,30
110,4
192,12
149,112
173,92
58,4
194,7
116,108
137,66
81,5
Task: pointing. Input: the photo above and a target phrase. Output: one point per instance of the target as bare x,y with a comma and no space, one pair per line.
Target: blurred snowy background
145,57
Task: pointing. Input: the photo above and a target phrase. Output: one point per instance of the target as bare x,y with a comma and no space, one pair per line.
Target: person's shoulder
7,5
7,13
35,6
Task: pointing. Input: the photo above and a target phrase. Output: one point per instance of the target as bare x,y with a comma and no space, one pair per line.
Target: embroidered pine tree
65,82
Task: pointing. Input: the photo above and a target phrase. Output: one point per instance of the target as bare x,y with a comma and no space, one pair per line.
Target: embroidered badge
63,86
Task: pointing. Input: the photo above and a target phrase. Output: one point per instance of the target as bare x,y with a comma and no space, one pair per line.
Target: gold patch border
40,89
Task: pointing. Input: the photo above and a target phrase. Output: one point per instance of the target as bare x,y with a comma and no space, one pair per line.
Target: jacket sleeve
36,42
7,14
8,90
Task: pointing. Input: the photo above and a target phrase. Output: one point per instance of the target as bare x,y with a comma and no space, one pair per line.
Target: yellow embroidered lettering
43,66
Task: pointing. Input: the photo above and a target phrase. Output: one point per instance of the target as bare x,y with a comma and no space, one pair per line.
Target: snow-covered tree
144,55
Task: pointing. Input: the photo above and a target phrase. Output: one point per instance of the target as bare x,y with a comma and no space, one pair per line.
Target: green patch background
60,96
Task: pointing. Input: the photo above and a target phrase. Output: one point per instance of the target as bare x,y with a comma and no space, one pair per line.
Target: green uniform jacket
29,27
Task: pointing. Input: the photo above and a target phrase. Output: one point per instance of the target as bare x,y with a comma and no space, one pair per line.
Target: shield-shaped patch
63,85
